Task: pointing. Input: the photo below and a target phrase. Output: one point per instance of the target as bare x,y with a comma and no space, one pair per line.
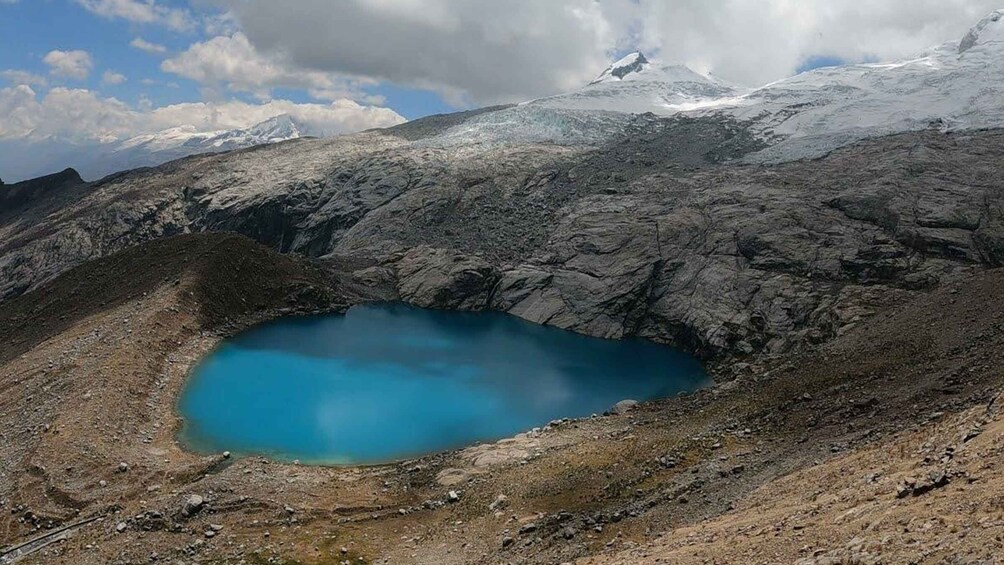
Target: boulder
193,504
624,406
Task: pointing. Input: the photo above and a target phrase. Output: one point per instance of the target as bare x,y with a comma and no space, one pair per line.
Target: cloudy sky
94,71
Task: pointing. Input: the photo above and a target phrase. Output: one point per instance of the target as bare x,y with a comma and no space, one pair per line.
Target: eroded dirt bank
839,453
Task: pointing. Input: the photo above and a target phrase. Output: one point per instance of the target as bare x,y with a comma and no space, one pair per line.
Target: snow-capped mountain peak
280,128
989,30
631,63
275,129
637,67
635,84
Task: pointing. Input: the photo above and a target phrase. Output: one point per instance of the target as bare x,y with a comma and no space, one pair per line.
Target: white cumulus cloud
62,112
112,77
232,61
340,116
141,11
16,77
144,45
73,64
483,49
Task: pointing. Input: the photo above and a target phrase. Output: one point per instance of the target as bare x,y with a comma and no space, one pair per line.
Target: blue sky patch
30,29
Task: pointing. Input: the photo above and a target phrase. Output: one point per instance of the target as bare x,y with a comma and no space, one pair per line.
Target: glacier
955,86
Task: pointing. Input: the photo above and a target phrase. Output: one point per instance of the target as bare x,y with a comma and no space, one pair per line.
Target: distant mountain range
96,161
956,86
174,143
184,139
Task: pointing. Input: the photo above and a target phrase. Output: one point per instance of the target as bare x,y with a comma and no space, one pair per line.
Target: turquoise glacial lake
389,381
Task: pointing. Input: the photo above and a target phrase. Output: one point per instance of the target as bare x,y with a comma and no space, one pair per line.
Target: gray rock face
440,278
654,234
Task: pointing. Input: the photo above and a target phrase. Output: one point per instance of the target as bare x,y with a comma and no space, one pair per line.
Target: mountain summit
989,30
277,128
637,67
631,63
636,84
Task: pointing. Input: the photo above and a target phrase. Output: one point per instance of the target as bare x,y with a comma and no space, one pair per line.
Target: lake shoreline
589,487
386,382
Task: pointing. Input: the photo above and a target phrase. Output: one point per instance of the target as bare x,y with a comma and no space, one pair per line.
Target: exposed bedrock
650,236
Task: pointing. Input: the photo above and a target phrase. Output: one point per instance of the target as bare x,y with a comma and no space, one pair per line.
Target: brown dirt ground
796,459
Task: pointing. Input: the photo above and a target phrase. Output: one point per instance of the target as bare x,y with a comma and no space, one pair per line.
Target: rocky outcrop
440,278
14,197
654,234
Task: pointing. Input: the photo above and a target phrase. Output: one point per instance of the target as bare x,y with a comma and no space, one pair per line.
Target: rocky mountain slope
877,447
604,221
647,236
